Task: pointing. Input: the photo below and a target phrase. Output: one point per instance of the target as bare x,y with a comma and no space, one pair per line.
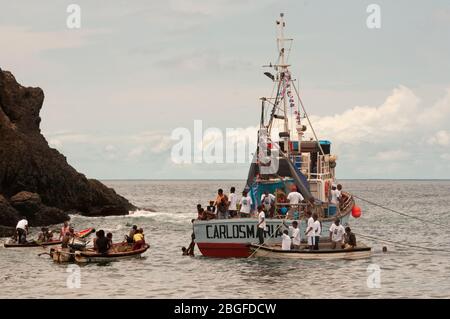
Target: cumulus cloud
391,140
440,138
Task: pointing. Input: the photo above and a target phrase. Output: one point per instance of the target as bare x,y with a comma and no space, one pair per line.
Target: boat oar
282,223
45,253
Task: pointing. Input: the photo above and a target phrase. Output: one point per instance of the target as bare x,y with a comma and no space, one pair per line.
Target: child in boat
129,238
139,240
349,238
296,240
109,236
286,241
201,215
210,211
68,236
101,243
64,230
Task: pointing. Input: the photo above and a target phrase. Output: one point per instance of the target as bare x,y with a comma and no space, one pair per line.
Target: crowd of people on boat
102,243
276,205
280,205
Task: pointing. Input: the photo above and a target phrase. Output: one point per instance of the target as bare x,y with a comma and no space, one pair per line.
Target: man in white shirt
232,203
22,230
317,228
261,227
268,201
295,232
334,199
294,198
310,235
337,232
245,205
286,241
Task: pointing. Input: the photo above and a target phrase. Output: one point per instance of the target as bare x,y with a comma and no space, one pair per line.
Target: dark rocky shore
35,180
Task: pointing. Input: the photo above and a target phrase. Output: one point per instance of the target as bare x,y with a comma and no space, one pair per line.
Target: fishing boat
81,234
284,158
324,252
119,251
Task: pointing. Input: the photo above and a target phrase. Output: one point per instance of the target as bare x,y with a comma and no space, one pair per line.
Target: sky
117,88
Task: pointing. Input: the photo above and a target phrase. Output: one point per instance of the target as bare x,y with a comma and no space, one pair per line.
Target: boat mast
282,74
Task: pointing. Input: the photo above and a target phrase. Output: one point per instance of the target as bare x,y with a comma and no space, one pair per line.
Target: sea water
164,273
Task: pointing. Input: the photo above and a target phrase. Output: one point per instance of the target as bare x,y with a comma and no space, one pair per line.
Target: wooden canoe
324,252
122,251
81,234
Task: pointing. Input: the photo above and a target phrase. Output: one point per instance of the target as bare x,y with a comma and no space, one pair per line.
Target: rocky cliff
36,180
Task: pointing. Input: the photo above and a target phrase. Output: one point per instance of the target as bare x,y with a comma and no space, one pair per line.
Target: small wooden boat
81,234
119,251
324,252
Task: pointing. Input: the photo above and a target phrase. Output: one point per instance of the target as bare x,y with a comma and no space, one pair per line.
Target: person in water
129,237
101,243
190,250
64,230
139,239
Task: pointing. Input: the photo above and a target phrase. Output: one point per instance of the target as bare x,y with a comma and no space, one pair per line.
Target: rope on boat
282,223
399,213
307,118
402,244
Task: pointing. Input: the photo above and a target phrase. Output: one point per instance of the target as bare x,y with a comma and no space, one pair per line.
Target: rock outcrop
35,180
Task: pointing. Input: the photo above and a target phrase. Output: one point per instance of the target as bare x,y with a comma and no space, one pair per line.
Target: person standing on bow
232,203
245,205
222,205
